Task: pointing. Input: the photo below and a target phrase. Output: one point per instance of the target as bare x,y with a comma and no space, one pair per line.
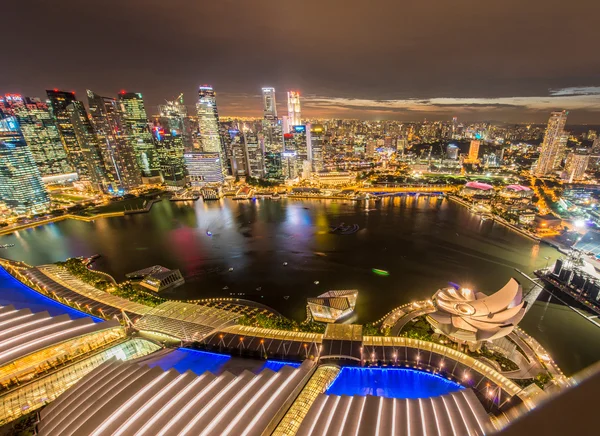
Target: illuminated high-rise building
40,133
269,104
294,118
78,137
21,186
137,130
208,122
203,168
555,140
317,158
119,157
474,151
173,136
576,165
175,113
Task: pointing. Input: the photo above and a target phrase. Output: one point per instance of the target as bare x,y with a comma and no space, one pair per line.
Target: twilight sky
506,60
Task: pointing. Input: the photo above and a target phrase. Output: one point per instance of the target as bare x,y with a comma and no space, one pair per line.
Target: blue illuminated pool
276,365
13,292
391,383
183,359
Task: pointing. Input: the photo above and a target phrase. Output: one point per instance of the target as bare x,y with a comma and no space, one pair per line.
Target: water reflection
424,243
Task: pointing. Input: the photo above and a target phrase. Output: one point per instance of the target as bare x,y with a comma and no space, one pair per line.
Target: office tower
294,118
119,157
177,115
297,150
554,142
173,136
255,154
137,131
474,151
203,168
576,165
236,152
269,104
317,159
40,133
208,121
21,186
272,133
452,151
285,124
273,166
78,138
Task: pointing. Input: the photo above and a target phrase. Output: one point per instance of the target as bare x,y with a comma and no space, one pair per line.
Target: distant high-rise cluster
115,146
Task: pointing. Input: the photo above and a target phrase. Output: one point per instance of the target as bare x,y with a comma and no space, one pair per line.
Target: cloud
584,90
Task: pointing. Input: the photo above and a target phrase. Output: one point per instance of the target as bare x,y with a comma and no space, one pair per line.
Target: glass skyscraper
78,137
172,133
208,121
137,129
118,154
21,186
40,133
269,104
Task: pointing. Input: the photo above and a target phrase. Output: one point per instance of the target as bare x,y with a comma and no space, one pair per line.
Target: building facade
208,122
294,115
119,157
203,168
576,165
21,186
78,138
137,130
40,133
269,104
553,145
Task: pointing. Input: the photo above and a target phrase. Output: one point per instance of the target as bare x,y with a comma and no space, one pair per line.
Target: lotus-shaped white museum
466,316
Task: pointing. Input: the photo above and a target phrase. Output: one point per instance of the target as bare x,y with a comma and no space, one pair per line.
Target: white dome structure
466,316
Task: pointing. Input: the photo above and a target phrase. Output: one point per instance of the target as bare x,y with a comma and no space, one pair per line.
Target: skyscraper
78,137
208,121
554,142
576,165
176,113
317,158
118,154
173,136
269,104
474,151
40,133
137,130
21,186
294,118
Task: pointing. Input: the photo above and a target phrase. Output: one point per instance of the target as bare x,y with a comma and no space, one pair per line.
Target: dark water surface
422,242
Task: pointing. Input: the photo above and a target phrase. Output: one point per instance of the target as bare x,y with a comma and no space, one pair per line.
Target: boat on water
7,245
380,272
275,196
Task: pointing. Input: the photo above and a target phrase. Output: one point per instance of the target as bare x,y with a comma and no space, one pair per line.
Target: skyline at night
406,62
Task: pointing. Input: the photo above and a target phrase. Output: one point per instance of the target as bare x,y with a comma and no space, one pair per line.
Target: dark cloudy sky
508,60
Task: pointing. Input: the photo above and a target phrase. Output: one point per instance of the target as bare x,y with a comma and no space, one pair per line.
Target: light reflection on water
423,242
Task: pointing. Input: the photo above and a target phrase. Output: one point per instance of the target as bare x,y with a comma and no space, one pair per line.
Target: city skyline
400,62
